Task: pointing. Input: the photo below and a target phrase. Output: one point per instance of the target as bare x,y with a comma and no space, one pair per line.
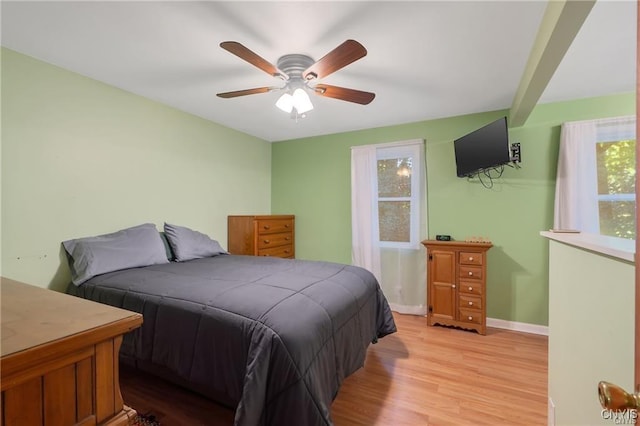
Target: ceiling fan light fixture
299,100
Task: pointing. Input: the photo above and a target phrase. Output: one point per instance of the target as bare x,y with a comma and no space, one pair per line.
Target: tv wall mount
486,177
515,152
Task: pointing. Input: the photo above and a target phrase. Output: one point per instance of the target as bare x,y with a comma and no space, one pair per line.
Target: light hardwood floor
418,376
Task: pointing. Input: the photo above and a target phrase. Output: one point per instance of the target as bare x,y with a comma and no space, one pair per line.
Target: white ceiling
425,60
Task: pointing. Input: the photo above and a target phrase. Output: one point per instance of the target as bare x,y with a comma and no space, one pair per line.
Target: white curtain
576,201
364,212
576,204
401,272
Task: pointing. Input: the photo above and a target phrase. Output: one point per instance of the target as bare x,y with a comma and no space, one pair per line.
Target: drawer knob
470,273
286,251
470,303
453,286
267,241
287,238
266,227
286,225
470,288
470,258
470,318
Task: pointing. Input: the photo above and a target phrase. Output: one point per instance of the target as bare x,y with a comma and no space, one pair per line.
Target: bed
273,338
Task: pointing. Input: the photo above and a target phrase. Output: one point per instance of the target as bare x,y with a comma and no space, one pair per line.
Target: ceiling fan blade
342,93
254,59
348,52
245,92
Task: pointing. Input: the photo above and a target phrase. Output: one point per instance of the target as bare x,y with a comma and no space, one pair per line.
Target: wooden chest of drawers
456,284
60,358
268,235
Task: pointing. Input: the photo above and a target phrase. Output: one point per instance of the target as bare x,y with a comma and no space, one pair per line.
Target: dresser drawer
274,226
468,301
468,315
282,251
470,287
274,240
470,272
471,258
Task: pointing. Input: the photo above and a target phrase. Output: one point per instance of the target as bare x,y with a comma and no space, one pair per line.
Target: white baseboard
491,322
518,326
408,309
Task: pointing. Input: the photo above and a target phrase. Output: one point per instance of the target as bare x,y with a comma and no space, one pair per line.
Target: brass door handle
613,397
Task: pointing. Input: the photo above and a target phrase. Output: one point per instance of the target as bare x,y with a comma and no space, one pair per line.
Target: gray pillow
128,248
188,244
167,247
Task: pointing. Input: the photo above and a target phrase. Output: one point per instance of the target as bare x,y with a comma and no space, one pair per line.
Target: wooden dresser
59,362
269,235
456,284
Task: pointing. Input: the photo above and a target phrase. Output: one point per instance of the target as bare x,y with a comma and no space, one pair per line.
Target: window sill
619,248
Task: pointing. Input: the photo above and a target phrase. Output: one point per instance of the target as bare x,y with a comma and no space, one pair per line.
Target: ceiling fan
301,73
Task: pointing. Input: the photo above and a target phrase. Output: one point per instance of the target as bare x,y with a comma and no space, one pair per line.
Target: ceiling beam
561,22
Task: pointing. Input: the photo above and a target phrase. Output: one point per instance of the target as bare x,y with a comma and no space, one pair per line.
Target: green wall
311,179
82,158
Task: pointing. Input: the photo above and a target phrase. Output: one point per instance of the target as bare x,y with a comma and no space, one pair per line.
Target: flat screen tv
482,149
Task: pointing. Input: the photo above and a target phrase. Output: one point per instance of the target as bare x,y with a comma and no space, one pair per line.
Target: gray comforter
277,337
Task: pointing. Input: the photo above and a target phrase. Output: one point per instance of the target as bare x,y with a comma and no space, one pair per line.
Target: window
616,170
398,191
595,183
